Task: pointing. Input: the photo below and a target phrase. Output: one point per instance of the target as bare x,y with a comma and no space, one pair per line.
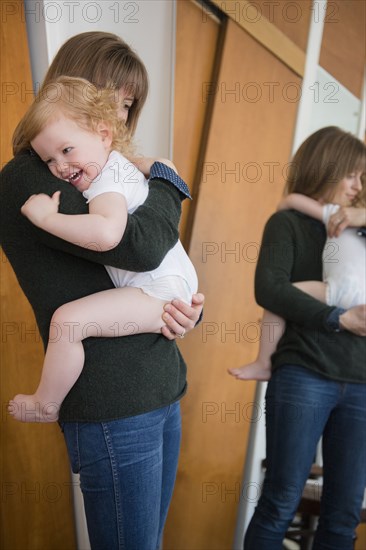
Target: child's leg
272,330
116,312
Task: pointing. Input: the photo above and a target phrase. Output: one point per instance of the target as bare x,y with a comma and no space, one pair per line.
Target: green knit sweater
121,376
292,251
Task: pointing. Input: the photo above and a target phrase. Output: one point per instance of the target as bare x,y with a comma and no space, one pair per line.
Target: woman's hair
106,61
323,160
80,101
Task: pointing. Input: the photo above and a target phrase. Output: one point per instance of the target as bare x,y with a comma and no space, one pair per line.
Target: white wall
147,25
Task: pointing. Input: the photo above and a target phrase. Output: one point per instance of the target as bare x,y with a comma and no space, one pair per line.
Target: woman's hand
354,320
346,216
38,207
180,318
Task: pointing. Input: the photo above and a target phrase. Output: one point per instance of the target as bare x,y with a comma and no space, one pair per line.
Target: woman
82,143
121,420
318,382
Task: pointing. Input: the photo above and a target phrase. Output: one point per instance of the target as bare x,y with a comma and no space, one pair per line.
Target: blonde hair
80,101
106,61
323,160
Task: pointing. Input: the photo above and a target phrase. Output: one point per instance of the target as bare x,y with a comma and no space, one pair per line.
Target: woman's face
347,189
125,100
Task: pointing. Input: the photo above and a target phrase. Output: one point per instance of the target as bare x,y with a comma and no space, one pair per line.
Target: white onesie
175,277
344,265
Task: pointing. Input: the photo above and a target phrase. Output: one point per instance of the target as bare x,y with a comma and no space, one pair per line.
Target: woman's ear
106,134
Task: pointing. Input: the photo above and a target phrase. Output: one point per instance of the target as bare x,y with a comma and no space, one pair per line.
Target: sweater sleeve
281,258
152,230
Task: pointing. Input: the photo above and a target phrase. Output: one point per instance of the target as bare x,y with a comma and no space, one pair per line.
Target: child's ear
106,134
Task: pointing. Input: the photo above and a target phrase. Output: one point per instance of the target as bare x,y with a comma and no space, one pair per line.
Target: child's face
72,153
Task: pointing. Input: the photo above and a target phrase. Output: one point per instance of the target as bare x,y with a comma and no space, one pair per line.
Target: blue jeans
301,406
127,472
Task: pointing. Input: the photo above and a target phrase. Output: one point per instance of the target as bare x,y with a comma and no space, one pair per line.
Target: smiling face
71,152
347,190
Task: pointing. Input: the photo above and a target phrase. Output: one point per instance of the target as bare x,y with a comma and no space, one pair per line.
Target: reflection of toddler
344,266
76,137
343,285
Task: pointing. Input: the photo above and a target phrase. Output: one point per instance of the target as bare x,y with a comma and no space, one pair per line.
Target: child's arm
103,227
346,216
302,203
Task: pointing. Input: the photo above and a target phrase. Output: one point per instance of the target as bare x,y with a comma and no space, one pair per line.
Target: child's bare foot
29,408
252,371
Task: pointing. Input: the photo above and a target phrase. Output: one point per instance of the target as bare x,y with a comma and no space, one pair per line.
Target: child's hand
38,207
144,164
346,216
168,163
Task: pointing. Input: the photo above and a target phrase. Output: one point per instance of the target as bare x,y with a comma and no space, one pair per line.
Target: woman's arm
302,203
282,254
104,226
282,261
151,231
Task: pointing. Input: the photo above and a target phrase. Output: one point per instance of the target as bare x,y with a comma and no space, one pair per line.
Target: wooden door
247,147
36,504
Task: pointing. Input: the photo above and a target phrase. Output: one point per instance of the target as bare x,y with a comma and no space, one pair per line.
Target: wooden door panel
247,152
195,56
343,46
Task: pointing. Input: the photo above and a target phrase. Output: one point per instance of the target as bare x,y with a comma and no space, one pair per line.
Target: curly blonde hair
80,101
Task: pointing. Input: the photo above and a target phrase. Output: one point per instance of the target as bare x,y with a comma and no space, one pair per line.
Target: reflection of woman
121,420
344,270
318,383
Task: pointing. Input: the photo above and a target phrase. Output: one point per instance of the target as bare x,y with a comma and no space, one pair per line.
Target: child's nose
63,168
